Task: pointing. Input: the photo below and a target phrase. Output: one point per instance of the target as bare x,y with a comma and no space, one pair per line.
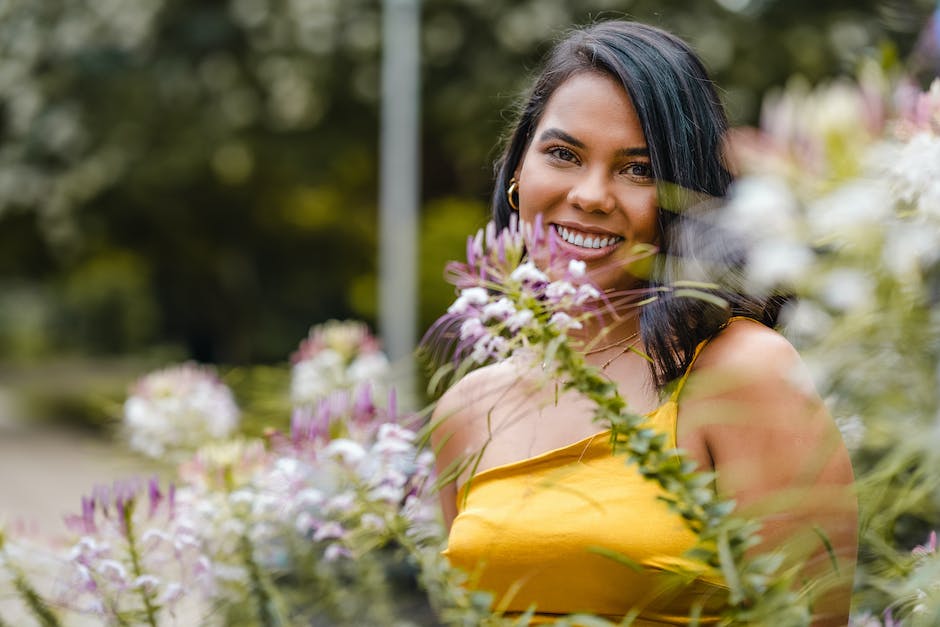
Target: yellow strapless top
552,531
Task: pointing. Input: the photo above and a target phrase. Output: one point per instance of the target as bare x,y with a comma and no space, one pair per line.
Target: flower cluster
347,478
843,207
507,302
133,556
174,411
335,355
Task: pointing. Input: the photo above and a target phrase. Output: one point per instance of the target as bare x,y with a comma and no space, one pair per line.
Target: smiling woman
618,151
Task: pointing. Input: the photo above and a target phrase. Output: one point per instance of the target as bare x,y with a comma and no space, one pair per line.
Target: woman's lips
573,242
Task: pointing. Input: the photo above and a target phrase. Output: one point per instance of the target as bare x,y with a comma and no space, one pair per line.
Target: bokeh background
199,179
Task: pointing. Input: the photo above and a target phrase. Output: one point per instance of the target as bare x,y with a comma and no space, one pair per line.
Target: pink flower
922,550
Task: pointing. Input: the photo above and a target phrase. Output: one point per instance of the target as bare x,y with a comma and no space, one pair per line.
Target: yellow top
553,531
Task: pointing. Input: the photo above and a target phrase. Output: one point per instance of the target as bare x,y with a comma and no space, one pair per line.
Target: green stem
688,490
259,590
33,600
150,610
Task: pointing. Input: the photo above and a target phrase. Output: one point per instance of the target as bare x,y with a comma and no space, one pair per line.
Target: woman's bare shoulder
475,394
749,346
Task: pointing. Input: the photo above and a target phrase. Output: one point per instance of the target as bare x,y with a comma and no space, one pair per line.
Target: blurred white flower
847,289
909,248
777,262
761,208
527,273
176,410
563,322
498,310
805,320
859,204
335,356
915,174
853,431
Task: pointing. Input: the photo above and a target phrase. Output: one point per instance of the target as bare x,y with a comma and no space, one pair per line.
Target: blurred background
199,180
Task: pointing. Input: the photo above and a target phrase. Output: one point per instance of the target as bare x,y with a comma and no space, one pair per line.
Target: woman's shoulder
748,357
477,391
748,345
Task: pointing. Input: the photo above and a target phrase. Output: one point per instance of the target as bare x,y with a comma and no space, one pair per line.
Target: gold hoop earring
513,189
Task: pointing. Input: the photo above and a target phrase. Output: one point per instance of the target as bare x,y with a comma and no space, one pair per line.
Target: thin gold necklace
620,342
626,348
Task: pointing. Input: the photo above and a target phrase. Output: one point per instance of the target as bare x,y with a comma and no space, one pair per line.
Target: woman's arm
446,427
779,455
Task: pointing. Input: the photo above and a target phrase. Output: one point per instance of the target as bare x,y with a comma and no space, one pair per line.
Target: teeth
579,239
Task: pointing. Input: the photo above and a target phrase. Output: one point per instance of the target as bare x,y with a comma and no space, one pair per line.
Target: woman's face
587,171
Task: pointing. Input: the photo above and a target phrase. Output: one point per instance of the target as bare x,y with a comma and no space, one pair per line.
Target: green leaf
718,301
728,568
618,557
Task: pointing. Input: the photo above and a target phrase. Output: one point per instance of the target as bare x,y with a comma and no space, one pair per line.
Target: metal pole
398,186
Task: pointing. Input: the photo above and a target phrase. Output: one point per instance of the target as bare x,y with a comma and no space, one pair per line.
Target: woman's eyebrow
638,151
557,133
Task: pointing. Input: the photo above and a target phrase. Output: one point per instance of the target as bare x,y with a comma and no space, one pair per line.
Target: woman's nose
592,193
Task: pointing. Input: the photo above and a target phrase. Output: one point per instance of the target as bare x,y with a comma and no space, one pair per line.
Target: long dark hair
685,126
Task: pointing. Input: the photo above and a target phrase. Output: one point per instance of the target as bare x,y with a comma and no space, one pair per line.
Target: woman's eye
639,170
562,153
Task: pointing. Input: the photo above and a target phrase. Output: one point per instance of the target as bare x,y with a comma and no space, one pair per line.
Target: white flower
329,530
806,320
848,289
519,319
476,296
372,522
335,551
348,451
499,310
178,409
778,261
528,273
857,205
368,367
148,582
576,268
390,494
762,207
908,248
471,328
113,570
916,174
557,290
393,438
852,429
563,322
585,293
488,347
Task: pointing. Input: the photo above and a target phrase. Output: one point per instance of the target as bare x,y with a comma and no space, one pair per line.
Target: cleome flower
335,355
132,554
173,411
506,301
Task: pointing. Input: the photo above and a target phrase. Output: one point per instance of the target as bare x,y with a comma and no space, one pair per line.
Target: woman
616,146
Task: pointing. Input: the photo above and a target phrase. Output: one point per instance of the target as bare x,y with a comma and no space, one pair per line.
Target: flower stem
33,600
259,590
150,610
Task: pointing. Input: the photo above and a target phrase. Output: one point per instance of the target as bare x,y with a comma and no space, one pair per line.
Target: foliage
202,174
839,196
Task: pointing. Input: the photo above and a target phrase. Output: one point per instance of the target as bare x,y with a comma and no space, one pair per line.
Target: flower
505,301
335,355
175,410
930,548
132,549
